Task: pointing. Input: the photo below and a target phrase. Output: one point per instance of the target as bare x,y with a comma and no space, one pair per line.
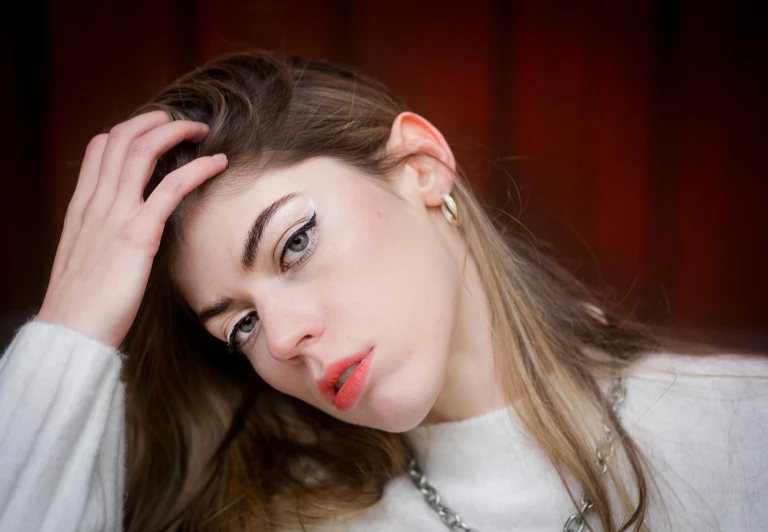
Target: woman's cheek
286,380
263,369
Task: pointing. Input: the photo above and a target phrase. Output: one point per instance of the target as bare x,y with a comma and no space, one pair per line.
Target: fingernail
220,157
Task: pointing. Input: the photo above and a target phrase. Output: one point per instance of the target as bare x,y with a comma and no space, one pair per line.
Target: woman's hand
111,235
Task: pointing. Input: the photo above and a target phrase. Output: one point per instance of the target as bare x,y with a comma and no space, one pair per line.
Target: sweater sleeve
62,432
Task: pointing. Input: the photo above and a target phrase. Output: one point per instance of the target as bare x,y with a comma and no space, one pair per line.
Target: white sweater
62,448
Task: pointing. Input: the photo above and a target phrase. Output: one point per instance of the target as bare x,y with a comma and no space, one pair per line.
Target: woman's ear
430,174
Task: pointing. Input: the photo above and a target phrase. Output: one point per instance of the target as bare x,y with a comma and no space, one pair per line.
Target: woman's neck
472,387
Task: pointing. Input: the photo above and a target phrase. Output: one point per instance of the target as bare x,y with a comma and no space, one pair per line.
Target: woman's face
347,284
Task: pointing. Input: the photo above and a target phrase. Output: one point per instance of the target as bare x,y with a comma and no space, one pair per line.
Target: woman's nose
290,327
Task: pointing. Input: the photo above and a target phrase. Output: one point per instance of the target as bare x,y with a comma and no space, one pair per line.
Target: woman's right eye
247,326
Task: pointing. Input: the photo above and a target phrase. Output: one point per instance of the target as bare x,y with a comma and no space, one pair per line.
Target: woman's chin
400,409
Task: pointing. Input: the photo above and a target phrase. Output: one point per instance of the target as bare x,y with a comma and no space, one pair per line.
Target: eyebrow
250,252
215,309
253,240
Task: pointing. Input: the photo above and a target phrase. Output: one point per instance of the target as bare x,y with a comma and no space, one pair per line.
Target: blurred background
628,137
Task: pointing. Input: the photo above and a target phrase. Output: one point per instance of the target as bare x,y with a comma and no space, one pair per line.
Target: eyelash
233,347
311,225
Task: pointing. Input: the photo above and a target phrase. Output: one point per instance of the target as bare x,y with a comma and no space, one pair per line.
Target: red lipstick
350,392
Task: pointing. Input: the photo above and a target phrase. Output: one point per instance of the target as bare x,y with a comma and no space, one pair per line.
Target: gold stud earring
450,210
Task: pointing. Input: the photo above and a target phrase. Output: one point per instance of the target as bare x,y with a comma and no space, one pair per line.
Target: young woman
276,305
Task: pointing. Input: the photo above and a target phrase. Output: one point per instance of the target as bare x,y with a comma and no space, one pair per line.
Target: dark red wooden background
628,135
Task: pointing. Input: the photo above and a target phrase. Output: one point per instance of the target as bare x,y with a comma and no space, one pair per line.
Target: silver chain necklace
575,522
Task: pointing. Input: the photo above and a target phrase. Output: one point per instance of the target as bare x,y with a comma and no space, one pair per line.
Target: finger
86,183
120,138
143,154
88,176
172,189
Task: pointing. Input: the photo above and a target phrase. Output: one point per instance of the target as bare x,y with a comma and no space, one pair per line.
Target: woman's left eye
300,243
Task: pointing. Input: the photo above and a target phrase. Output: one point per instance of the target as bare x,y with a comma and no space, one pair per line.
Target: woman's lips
345,376
352,388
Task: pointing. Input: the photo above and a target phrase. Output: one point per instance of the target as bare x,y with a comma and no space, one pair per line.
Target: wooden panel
552,111
441,62
719,226
22,186
620,194
306,27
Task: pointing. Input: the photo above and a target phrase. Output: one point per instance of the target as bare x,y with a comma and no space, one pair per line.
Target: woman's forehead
209,254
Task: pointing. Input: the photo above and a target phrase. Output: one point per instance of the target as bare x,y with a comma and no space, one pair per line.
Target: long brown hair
212,447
